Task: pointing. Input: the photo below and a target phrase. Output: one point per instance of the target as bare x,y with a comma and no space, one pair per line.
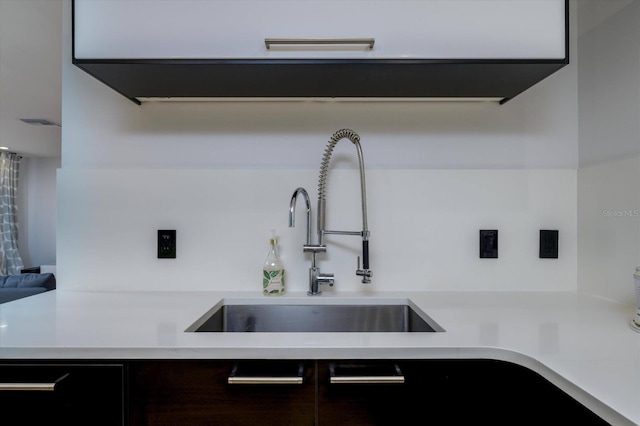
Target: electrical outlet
166,244
548,244
488,243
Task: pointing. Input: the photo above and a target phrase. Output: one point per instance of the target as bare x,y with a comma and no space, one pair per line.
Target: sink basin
328,318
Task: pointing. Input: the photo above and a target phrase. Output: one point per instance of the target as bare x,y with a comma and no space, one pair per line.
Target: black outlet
166,244
488,243
548,244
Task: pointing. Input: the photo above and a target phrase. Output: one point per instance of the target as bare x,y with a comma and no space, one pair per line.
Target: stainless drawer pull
335,379
234,379
366,379
319,41
47,387
265,380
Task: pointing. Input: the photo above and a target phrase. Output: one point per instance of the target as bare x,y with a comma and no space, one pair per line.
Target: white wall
609,135
37,210
609,229
222,174
30,75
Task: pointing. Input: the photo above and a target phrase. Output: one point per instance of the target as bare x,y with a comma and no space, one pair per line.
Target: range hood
140,66
211,79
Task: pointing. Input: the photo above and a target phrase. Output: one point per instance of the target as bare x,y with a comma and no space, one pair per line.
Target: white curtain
10,260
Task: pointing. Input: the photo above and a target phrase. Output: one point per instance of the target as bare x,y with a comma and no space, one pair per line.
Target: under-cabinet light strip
320,99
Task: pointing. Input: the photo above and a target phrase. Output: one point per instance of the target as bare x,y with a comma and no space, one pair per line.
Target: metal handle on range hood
319,41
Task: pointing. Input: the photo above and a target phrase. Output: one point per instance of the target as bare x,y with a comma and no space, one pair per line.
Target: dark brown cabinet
291,392
222,393
346,392
443,392
61,393
380,393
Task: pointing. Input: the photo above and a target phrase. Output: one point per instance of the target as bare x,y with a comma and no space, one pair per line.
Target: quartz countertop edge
581,343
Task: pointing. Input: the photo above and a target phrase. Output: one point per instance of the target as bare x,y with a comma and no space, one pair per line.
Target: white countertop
581,343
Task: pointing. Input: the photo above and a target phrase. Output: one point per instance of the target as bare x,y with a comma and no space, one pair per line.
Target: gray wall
609,147
37,210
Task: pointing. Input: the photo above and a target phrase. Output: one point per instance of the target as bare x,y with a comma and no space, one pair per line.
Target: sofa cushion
47,281
14,293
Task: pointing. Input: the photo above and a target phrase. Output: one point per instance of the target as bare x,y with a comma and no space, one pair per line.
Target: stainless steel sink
329,318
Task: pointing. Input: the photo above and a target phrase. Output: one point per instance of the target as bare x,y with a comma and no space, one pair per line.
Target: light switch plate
488,243
548,244
166,244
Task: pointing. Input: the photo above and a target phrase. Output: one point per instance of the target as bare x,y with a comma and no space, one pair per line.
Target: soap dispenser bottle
273,271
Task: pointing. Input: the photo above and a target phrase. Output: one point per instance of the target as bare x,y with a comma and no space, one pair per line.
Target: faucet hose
324,170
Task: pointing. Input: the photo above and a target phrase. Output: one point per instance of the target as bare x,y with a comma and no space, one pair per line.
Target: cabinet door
62,394
383,393
402,29
443,392
221,393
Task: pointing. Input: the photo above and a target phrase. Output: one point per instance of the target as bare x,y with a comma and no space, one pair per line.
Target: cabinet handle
234,379
47,387
336,379
319,41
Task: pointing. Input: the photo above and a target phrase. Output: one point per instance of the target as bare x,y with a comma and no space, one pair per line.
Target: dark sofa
14,287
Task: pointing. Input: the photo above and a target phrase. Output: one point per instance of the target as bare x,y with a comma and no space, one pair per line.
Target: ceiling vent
39,122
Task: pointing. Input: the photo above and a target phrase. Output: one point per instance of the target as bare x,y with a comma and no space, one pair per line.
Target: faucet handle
366,274
313,248
316,279
326,279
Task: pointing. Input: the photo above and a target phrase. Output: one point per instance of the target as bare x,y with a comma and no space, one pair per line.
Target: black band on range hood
319,78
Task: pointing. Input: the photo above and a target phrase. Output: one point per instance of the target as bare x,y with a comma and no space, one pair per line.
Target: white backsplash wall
424,228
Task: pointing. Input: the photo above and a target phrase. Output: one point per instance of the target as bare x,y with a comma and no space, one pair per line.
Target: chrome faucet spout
315,277
292,210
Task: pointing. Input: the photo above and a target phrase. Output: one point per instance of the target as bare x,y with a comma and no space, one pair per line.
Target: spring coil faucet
315,277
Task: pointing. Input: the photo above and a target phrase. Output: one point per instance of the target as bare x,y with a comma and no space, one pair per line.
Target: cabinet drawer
434,29
221,393
68,394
